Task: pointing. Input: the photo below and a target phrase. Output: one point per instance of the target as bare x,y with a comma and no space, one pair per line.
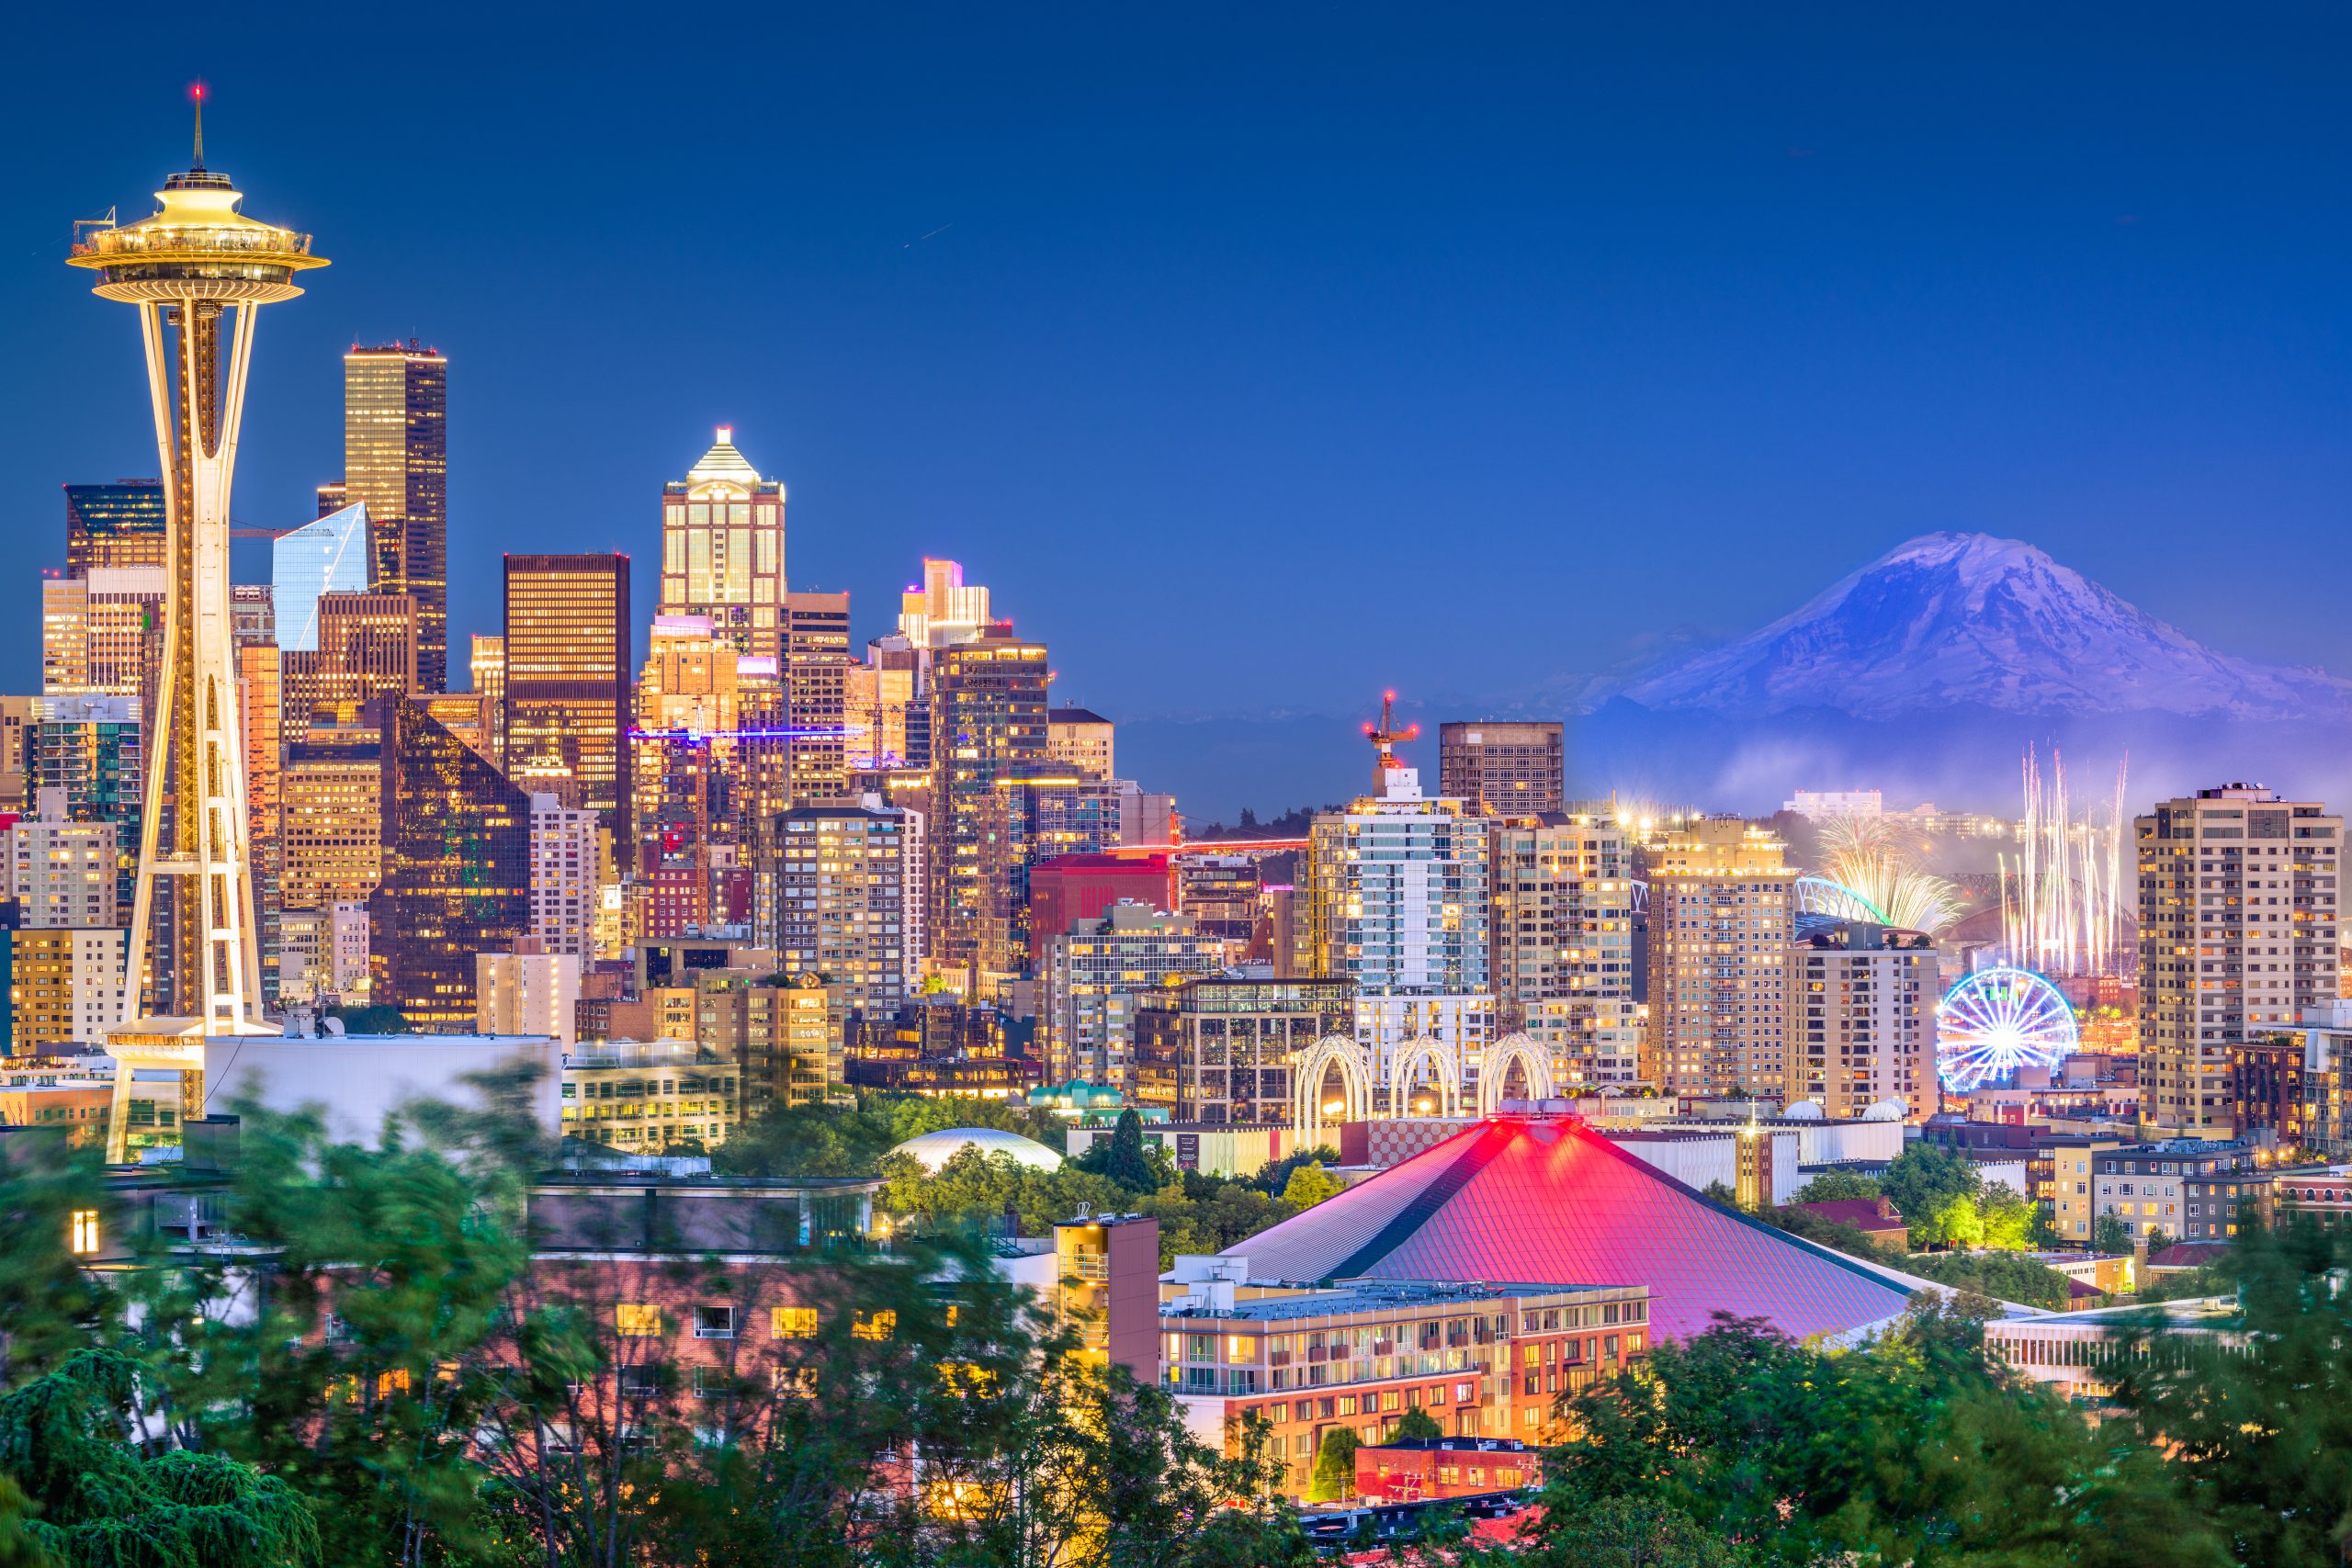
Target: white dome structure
1803,1111
934,1150
1887,1110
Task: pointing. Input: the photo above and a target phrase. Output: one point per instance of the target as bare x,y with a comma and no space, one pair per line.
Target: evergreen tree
1128,1164
101,1500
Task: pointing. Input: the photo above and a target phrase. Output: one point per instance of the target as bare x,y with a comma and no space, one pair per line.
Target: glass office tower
568,691
396,463
329,556
117,524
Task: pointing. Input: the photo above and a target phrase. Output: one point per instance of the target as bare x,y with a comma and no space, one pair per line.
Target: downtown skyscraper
567,680
396,463
722,550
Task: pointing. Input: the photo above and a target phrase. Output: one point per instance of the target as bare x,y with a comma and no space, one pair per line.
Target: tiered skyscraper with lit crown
197,270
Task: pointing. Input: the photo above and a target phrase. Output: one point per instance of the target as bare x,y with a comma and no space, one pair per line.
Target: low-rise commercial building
1480,1359
647,1095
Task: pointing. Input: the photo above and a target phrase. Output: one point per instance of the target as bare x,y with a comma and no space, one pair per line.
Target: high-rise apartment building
19,722
68,987
817,665
879,703
1083,739
1035,812
102,635
565,861
489,667
456,873
332,555
1395,891
988,716
527,991
396,464
322,954
2238,936
261,706
568,690
367,648
330,794
1561,942
1503,769
63,874
840,872
91,751
1863,1022
122,523
722,549
1094,974
1722,911
782,1037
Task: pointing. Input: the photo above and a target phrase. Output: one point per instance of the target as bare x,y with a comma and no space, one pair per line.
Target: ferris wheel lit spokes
1997,1020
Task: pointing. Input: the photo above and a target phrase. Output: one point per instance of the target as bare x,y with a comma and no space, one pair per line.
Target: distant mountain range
1924,675
1952,620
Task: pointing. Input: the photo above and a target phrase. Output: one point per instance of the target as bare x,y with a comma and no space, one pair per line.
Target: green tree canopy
1309,1185
1334,1467
101,1501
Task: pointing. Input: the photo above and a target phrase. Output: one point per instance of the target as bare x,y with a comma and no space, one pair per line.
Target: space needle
198,271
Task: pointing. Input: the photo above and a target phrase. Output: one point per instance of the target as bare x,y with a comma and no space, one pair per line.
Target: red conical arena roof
1548,1199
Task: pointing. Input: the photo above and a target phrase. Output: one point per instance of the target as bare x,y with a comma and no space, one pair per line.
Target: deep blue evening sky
1260,356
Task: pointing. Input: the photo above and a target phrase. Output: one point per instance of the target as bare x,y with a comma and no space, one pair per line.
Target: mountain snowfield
1949,620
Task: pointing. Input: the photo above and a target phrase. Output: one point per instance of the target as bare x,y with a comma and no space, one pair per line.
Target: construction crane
1386,736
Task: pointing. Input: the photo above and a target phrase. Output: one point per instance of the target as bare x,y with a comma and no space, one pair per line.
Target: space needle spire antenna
197,272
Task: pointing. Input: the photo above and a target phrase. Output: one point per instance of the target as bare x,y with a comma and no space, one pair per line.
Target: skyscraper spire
197,94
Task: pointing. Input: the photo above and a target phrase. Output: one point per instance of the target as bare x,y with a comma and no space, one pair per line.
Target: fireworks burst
2061,896
1877,859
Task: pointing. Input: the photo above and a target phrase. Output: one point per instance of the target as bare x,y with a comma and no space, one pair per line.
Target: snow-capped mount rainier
1951,620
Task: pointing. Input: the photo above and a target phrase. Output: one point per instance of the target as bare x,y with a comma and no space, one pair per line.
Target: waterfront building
1083,739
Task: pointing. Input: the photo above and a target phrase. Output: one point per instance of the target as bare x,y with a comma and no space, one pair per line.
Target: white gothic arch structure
1534,1061
1313,1066
1445,1066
